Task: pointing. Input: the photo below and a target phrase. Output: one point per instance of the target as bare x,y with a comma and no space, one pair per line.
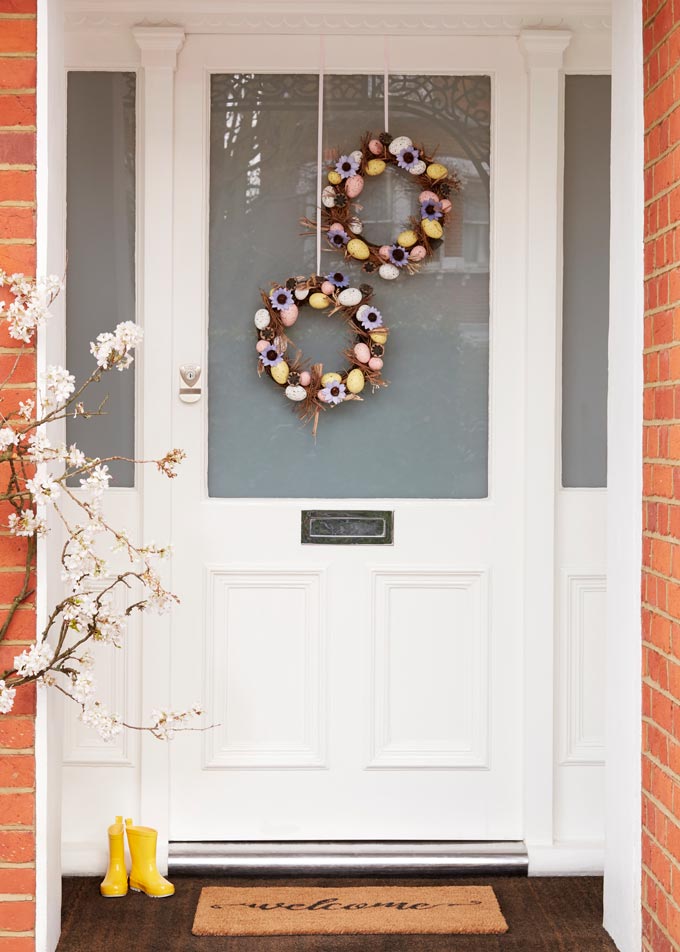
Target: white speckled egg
357,155
417,253
417,168
327,287
362,353
355,225
330,377
301,293
328,197
305,378
261,346
262,318
399,143
354,186
388,271
296,393
428,196
280,344
355,381
349,297
280,372
375,363
319,301
375,147
289,315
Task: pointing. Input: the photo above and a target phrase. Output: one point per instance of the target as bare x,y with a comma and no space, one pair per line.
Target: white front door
359,691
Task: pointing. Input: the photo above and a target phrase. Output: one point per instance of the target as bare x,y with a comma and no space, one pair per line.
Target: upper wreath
420,236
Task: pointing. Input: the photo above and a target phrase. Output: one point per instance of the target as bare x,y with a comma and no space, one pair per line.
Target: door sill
349,858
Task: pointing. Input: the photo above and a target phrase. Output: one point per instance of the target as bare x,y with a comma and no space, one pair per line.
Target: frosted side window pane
100,237
585,310
424,436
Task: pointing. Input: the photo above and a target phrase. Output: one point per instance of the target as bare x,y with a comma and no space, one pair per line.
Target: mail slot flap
347,527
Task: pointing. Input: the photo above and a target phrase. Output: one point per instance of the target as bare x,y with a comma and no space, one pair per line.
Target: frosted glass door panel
426,435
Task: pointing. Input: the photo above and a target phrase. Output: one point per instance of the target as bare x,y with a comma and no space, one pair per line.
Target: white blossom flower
43,489
82,686
96,482
75,457
7,695
113,350
26,408
34,660
164,724
59,384
29,308
95,715
39,448
7,438
26,523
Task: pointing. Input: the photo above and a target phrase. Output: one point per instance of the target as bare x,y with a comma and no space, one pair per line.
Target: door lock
190,374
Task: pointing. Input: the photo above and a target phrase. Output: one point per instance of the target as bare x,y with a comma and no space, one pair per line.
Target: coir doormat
304,910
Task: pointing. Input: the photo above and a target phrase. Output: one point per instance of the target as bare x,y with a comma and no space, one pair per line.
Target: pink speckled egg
384,252
375,147
261,346
362,353
327,287
417,253
354,186
305,378
428,196
336,226
375,363
446,206
289,315
321,395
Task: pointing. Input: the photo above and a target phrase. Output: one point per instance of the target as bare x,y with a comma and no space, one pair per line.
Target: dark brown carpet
543,915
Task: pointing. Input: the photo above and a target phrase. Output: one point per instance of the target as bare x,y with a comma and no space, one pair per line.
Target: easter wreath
424,232
309,388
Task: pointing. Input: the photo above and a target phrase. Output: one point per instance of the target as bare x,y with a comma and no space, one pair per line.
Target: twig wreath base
420,237
307,385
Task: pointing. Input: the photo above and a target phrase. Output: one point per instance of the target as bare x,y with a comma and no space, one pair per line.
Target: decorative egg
446,206
301,293
375,167
355,381
328,196
375,363
305,378
407,238
432,228
327,287
437,171
379,337
289,315
261,346
336,226
417,168
357,155
375,147
349,297
417,253
358,249
355,225
334,177
321,396
428,196
262,318
296,393
319,301
362,353
280,372
399,143
280,344
388,271
384,252
329,378
354,186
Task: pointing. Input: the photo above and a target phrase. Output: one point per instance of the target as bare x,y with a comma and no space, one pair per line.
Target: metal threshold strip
349,858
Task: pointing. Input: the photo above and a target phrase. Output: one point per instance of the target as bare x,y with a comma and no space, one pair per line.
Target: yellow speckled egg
280,372
319,300
358,249
432,228
379,337
407,239
375,167
334,177
329,378
437,171
355,381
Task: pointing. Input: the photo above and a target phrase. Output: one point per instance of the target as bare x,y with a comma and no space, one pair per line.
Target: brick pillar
17,253
661,483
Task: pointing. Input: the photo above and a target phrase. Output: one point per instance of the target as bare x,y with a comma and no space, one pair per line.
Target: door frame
113,48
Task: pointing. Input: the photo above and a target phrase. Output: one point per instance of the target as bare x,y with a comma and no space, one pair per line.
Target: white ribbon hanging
319,153
386,81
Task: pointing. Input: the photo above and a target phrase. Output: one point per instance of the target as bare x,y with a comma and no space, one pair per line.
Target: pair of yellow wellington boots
144,875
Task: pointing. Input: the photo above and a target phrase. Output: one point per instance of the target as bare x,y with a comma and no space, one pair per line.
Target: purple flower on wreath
334,393
398,255
407,158
369,317
338,237
271,357
281,298
338,279
346,166
431,210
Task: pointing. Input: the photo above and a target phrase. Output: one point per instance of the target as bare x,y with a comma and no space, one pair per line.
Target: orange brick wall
17,253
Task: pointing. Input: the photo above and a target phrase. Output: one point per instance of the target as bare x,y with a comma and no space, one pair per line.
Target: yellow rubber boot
115,883
144,875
